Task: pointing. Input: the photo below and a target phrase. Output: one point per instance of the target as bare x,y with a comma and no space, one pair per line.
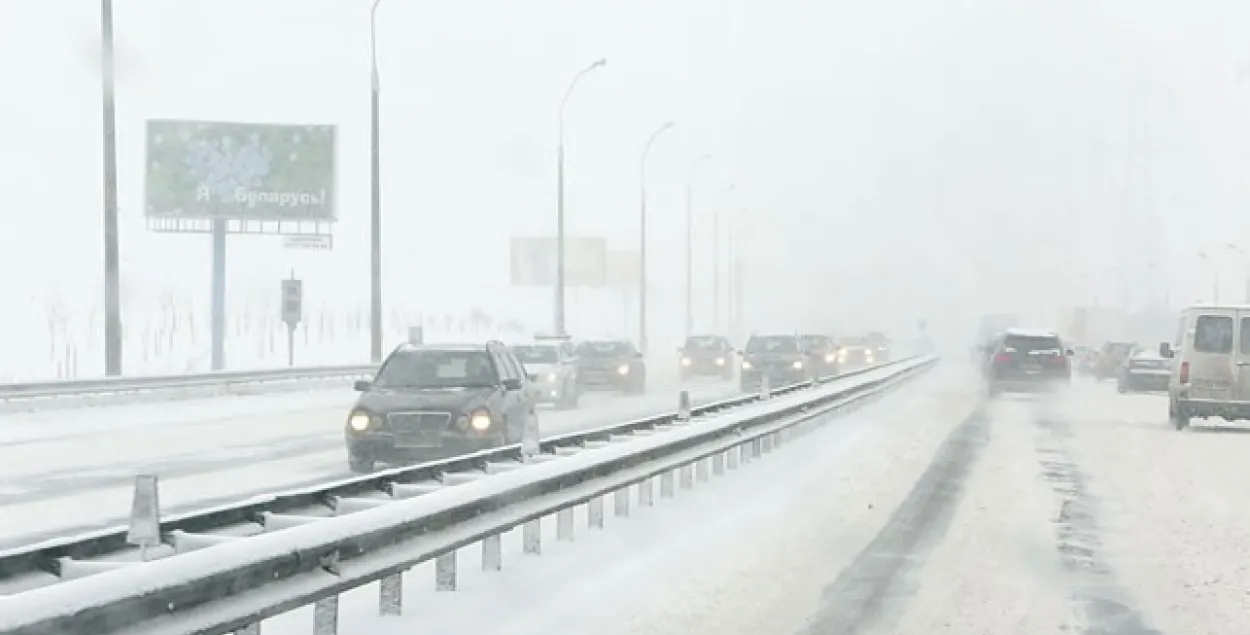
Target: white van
1210,368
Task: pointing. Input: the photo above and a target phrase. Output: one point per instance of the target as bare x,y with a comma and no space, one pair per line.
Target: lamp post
112,273
1215,275
642,234
560,272
1245,262
375,193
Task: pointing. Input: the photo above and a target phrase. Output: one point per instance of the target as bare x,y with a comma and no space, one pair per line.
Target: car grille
418,428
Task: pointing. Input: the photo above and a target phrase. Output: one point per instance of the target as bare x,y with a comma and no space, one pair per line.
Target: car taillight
1002,358
1184,372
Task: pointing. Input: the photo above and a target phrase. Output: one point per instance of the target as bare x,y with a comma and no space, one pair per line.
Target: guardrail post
250,629
766,444
718,463
594,513
666,484
620,499
445,572
326,616
532,536
700,470
683,406
765,391
687,476
756,450
646,493
564,524
391,595
731,457
492,553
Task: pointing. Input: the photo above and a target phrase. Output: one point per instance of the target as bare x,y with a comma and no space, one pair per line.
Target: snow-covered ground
64,472
929,512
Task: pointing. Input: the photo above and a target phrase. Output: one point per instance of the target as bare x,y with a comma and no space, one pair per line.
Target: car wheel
360,463
1180,421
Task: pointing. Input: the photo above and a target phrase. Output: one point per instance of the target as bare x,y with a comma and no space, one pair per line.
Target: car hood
383,400
541,370
773,358
700,353
603,362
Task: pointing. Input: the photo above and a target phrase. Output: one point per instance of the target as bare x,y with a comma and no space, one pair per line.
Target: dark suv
611,365
434,401
705,355
1027,361
822,354
780,358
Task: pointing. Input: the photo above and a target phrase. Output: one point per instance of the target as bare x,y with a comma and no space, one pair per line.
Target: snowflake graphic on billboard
222,166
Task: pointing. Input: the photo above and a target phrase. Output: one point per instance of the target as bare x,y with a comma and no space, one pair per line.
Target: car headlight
480,420
359,421
623,369
720,361
746,365
685,361
829,358
798,365
841,356
553,377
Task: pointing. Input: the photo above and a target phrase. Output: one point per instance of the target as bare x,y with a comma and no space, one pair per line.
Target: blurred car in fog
857,352
1110,357
706,355
882,344
779,357
1023,360
1144,371
822,354
552,368
611,365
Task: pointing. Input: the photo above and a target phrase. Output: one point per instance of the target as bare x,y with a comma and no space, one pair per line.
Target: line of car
1204,369
431,401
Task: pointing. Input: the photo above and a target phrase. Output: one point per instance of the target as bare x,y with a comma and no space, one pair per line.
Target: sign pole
219,294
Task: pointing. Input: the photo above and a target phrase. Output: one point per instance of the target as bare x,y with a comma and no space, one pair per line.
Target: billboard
268,172
533,261
623,269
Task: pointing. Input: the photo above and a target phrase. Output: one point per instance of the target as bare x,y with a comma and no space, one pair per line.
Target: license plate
418,441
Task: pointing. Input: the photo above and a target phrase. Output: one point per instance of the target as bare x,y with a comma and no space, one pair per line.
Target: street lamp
1215,275
1245,261
642,235
375,197
560,196
112,275
694,166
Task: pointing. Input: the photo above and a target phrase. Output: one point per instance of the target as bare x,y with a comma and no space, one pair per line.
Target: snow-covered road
70,471
929,512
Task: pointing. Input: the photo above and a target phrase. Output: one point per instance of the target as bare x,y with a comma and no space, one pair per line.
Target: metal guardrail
313,560
220,379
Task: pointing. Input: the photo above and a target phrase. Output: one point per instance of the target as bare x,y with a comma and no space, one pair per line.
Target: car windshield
703,343
604,349
854,341
537,354
814,341
773,344
437,369
1030,344
1119,348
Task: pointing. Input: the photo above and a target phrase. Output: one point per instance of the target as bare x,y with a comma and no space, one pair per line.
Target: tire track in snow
870,593
1100,605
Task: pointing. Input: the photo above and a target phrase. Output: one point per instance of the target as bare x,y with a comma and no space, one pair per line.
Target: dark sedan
429,402
779,358
1145,371
706,355
611,365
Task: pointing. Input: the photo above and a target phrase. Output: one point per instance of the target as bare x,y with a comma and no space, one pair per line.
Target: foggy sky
893,160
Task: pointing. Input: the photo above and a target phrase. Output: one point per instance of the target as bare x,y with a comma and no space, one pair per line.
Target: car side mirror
1070,352
512,384
1165,350
738,352
362,385
638,355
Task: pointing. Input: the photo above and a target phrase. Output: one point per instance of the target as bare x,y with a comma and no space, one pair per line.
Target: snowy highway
64,472
931,511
